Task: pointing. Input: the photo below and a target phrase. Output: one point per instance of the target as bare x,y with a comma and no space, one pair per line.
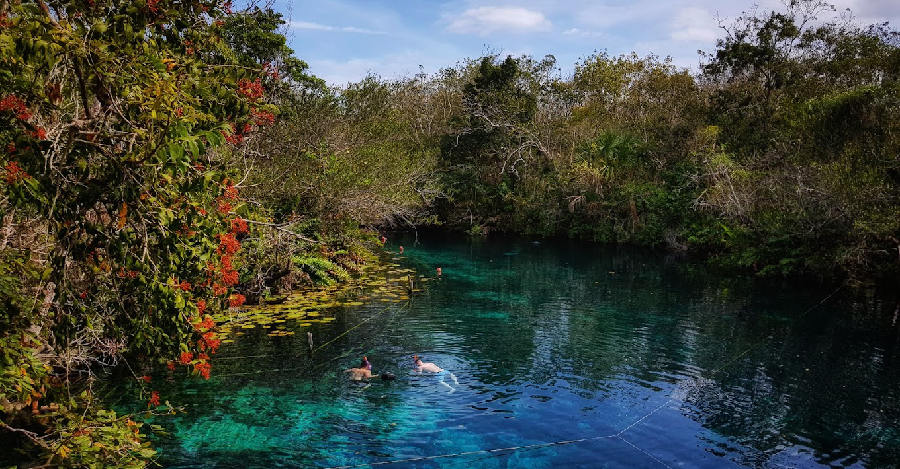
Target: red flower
154,399
213,345
219,290
207,323
238,226
234,138
231,192
203,369
252,90
14,104
262,118
186,358
209,341
201,306
144,378
226,263
184,286
82,295
170,365
39,133
236,300
223,207
153,5
14,173
230,277
228,244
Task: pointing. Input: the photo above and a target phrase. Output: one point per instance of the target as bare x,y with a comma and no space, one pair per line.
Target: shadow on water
556,341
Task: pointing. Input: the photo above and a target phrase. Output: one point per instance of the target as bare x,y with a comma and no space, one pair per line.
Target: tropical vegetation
165,160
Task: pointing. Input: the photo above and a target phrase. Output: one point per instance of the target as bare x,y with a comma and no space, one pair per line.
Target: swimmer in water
441,373
363,372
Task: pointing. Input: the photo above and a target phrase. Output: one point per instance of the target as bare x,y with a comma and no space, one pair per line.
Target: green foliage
491,143
119,207
322,271
780,157
360,157
255,38
124,125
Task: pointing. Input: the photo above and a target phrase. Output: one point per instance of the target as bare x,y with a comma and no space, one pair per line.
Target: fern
321,271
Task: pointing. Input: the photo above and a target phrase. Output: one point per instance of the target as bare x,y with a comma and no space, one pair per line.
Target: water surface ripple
559,341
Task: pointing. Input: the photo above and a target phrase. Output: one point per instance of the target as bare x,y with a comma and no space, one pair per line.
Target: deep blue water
655,362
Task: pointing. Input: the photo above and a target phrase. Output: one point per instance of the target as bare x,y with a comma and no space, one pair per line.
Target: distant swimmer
441,373
401,249
383,240
439,271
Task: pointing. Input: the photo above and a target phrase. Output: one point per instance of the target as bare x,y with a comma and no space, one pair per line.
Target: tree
492,140
110,110
805,110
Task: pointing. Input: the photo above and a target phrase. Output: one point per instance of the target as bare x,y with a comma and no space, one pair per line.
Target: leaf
176,151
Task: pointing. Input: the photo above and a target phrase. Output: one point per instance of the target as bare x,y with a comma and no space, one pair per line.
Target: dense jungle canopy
163,160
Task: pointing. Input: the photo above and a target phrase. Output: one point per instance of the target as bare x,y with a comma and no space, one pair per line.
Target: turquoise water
659,363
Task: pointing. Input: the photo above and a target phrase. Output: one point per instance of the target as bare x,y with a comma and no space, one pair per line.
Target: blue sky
343,40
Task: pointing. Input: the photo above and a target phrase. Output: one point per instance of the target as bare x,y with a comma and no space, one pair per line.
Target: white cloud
576,32
606,16
873,11
390,66
693,24
487,20
324,27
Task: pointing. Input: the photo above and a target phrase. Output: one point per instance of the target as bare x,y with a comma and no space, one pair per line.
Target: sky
345,40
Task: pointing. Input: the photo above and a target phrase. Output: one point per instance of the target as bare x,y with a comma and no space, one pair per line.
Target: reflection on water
550,342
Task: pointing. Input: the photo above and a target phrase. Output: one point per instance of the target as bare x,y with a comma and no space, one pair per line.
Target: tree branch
283,229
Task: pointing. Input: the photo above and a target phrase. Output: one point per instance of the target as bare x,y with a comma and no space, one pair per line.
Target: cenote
647,361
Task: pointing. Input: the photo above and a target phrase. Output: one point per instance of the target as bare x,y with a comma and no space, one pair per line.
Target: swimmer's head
417,359
364,363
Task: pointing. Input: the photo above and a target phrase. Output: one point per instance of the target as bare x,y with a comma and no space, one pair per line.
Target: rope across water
492,451
313,352
617,435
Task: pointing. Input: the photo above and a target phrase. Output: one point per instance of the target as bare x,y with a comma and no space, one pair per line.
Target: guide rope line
801,316
385,309
359,324
617,435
